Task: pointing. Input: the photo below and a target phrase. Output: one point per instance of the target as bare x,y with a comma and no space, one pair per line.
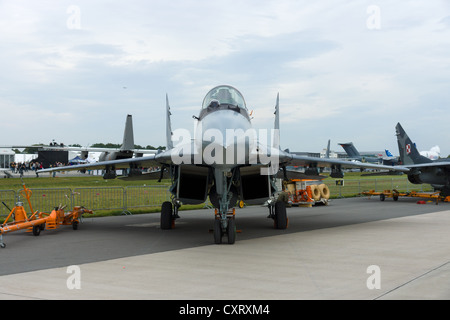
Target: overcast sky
345,70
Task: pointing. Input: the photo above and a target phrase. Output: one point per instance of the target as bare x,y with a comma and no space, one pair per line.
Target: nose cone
225,138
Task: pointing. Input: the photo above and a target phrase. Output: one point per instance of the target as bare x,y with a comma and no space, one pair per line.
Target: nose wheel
224,227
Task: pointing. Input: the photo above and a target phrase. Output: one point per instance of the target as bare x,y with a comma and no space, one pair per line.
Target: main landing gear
277,212
169,213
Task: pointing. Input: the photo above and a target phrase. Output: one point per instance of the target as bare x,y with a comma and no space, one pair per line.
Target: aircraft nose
226,137
220,125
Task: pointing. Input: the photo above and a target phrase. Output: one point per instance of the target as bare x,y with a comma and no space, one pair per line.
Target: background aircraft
434,153
126,151
222,166
421,168
353,154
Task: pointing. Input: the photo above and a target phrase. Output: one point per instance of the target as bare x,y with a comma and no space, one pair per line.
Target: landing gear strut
224,222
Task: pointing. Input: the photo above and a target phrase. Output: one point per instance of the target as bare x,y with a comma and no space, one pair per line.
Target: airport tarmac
352,249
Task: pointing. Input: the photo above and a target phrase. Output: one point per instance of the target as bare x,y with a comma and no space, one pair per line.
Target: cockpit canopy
224,95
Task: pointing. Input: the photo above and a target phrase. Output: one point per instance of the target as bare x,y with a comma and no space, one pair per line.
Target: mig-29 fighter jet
226,160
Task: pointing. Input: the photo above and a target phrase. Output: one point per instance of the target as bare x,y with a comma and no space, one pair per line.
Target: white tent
6,157
21,157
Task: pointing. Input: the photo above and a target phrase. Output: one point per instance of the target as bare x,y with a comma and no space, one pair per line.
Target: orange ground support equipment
21,222
38,221
395,194
306,192
60,218
20,219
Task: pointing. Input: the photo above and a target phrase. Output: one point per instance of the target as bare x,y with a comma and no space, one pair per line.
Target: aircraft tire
231,231
166,215
217,231
281,220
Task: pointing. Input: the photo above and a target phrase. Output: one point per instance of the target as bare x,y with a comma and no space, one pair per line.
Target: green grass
61,181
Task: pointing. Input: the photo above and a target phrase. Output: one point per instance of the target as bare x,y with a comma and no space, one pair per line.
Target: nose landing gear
225,226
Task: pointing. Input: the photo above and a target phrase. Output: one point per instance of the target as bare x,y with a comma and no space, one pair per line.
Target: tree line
33,149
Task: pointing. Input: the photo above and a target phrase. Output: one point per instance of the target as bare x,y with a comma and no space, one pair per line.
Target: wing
297,160
148,161
89,149
439,164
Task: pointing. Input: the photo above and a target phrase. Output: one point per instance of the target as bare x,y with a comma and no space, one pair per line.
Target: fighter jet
421,168
226,160
125,151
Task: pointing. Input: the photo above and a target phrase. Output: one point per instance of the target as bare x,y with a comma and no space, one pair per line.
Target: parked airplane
226,160
353,154
423,169
434,153
125,151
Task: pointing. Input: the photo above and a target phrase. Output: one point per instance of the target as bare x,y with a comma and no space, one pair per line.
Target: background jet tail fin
169,143
350,149
388,153
128,137
407,149
327,153
276,135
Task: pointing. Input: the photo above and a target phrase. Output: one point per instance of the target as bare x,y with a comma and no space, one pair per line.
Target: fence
105,198
133,197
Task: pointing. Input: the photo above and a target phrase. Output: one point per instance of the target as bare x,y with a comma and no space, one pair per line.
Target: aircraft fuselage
115,155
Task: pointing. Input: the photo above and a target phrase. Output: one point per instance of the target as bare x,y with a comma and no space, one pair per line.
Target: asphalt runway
357,248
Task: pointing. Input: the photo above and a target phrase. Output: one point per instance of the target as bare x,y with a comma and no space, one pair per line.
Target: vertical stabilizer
350,149
388,153
128,138
169,143
407,149
276,135
327,153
